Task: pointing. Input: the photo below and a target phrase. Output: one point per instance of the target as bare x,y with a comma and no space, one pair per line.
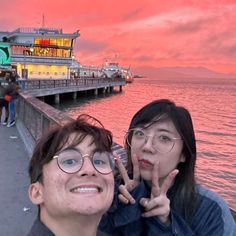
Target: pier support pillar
75,95
120,88
57,98
95,92
108,89
104,90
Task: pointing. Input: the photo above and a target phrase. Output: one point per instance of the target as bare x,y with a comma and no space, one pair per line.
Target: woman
72,181
160,196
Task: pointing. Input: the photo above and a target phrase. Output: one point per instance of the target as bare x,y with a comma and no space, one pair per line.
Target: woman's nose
148,144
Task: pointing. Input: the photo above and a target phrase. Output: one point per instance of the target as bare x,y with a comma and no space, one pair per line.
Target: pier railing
62,83
34,117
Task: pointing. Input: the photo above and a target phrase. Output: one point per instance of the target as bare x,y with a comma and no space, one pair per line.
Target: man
72,181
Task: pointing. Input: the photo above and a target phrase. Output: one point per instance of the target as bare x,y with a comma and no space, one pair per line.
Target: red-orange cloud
138,33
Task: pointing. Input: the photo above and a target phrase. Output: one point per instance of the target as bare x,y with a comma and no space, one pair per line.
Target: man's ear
182,158
35,193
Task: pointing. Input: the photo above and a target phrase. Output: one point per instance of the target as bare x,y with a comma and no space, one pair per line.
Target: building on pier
41,52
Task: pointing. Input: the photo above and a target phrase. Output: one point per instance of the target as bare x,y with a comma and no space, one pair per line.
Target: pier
34,117
46,87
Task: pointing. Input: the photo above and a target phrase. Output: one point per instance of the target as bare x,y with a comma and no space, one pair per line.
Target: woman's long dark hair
184,197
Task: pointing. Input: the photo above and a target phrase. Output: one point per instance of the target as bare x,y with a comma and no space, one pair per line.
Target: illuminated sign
5,54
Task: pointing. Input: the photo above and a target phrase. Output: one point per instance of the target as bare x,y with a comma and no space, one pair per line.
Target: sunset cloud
138,33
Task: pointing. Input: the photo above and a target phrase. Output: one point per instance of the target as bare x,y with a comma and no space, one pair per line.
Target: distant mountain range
181,72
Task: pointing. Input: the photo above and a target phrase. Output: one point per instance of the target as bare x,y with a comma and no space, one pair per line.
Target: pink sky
136,32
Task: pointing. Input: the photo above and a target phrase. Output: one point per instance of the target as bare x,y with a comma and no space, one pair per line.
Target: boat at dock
110,70
113,70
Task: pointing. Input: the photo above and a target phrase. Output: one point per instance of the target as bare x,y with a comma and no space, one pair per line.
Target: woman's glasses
71,161
163,143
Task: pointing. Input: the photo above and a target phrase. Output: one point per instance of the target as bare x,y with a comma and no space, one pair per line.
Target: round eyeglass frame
110,159
130,132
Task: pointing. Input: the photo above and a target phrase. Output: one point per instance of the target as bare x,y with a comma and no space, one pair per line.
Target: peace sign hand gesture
158,204
129,184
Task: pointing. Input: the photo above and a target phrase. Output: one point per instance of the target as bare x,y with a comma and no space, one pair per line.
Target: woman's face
86,192
159,142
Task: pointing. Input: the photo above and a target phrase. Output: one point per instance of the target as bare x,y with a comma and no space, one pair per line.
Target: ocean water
212,105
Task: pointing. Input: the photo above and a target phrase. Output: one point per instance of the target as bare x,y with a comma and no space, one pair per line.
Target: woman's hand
129,184
158,204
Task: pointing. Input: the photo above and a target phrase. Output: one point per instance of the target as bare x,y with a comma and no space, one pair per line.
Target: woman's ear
182,158
35,193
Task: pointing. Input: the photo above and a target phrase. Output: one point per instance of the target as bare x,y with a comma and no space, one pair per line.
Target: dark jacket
39,229
2,92
212,218
12,89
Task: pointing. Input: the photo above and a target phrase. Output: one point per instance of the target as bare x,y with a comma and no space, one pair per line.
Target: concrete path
17,212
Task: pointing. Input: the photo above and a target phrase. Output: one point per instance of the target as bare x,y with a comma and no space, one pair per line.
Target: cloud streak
155,33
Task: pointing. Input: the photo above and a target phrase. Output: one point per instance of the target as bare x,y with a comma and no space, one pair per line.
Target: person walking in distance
12,92
3,104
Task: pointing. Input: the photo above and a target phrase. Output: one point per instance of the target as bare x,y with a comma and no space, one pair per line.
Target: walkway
17,212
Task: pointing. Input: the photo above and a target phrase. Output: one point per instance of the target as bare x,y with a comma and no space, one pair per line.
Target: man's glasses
71,161
163,143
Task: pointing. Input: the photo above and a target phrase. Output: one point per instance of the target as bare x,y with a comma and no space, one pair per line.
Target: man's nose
87,168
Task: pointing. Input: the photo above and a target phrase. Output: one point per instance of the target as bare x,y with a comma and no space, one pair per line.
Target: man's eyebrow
69,148
80,151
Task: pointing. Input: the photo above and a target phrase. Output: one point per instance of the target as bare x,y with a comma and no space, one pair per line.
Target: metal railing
62,83
19,58
36,117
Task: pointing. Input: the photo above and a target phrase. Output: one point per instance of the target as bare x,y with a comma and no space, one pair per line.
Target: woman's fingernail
132,201
145,202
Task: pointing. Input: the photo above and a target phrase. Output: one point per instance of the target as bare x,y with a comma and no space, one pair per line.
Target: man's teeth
85,190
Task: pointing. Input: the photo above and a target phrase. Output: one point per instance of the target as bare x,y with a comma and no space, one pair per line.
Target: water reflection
212,105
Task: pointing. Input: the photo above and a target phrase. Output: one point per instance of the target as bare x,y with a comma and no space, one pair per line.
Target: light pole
31,54
23,71
30,51
72,67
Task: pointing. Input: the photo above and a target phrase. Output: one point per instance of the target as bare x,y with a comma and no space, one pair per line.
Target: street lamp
72,74
23,71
